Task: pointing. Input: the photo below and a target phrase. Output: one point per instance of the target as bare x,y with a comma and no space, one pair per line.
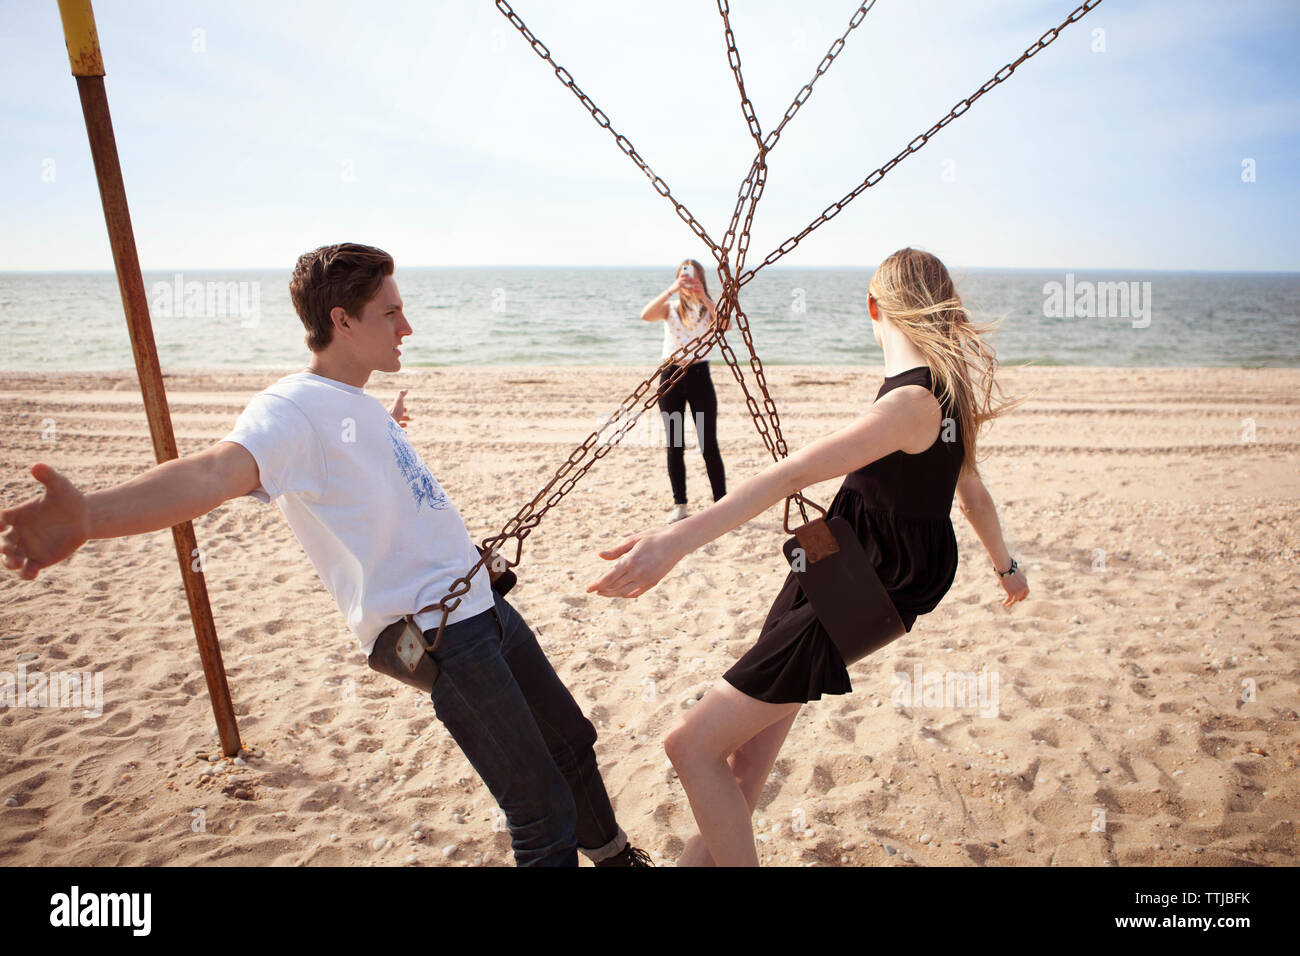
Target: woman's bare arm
977,505
906,419
657,310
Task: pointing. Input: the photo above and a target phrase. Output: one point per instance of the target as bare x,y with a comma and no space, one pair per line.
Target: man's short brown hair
347,274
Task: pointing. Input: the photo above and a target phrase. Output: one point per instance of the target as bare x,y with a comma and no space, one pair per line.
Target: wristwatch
1011,570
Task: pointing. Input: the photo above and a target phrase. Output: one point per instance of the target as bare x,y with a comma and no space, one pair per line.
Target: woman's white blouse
678,332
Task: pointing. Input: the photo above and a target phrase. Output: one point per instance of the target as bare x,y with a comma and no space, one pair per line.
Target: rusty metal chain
802,96
733,59
831,211
751,190
773,440
603,121
530,515
757,175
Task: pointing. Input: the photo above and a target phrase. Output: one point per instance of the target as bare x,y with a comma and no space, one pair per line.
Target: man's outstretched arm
46,529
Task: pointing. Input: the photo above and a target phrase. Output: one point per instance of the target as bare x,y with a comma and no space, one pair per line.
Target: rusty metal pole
88,67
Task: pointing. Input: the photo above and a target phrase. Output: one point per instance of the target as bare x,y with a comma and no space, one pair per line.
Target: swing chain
569,473
751,190
733,58
775,443
602,120
756,178
831,211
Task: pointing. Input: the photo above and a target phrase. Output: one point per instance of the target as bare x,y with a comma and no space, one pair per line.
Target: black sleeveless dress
899,507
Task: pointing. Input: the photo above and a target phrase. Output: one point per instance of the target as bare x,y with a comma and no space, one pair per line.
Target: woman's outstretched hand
1017,587
43,531
643,560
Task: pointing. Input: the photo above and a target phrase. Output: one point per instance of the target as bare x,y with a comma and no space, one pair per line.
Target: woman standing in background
685,318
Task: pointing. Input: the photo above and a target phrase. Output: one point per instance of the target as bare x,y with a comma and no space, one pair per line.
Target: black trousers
695,388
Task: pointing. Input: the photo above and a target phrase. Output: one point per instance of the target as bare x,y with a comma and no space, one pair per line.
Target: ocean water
590,316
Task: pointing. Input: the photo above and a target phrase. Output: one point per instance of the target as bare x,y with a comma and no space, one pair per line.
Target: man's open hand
399,412
46,529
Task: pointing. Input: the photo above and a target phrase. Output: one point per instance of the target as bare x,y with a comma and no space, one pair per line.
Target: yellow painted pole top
82,39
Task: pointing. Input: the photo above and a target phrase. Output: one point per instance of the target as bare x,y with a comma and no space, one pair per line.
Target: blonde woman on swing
904,459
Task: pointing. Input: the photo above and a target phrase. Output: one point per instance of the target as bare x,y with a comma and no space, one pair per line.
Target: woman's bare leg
700,748
751,765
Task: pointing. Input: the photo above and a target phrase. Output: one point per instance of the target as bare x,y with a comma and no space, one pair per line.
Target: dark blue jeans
524,733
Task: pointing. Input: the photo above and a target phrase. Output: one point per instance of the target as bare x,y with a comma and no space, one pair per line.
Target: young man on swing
385,539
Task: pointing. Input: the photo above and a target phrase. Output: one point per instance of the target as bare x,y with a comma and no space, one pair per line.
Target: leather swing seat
843,588
401,651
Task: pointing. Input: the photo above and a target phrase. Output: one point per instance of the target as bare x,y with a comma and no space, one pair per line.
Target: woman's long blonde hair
914,291
698,312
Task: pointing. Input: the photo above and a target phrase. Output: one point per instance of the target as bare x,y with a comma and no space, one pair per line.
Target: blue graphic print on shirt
423,487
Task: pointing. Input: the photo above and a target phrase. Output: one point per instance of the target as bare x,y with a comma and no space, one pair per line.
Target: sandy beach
1146,692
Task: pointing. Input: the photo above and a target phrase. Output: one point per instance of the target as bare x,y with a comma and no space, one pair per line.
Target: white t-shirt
678,333
381,532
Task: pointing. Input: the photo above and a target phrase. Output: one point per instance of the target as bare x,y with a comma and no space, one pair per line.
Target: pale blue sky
465,149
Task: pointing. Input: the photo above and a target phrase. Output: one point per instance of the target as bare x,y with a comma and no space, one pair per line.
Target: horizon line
958,268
